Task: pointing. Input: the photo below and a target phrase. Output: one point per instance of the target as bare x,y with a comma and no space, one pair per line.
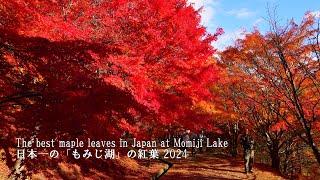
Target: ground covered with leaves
203,166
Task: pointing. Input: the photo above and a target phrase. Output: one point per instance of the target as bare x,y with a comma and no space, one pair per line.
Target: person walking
248,151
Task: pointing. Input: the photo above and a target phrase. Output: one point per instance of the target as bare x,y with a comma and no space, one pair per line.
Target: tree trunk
313,146
273,146
9,161
234,145
5,143
234,133
298,106
275,159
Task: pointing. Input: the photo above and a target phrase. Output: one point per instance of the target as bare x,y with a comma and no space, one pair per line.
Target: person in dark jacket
248,151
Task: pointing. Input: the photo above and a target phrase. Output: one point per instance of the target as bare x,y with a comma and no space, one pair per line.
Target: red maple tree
99,68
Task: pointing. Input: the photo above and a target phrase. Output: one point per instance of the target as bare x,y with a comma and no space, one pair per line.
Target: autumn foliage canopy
271,83
102,67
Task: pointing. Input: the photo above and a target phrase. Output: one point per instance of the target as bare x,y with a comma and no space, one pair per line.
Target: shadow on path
207,166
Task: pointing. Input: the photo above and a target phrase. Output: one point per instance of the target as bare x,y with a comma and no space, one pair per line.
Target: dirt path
204,166
216,167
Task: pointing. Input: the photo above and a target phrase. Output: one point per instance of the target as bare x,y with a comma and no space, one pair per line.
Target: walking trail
204,166
217,167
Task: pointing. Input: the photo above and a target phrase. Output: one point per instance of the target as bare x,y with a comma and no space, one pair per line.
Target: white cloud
199,3
228,38
208,12
241,13
257,22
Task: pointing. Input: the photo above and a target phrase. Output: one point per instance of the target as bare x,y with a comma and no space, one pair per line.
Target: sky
239,16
